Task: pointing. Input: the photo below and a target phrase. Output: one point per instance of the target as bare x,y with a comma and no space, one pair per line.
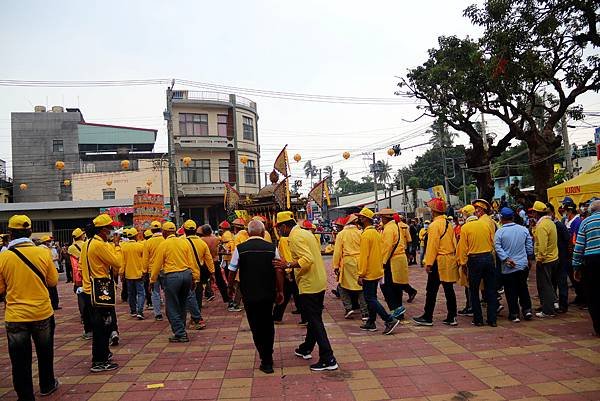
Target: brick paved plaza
555,359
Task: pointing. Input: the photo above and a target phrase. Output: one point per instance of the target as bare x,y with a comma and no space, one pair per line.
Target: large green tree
534,55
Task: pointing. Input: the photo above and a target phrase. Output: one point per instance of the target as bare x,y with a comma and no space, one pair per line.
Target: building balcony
215,98
208,142
207,189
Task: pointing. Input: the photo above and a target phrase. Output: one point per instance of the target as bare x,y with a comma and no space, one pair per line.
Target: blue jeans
19,336
156,295
483,267
177,291
375,308
136,295
192,304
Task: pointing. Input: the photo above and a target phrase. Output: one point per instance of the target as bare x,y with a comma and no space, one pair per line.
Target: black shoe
465,312
390,326
158,318
421,321
478,324
114,338
210,297
492,324
450,322
411,297
53,389
179,339
368,326
528,315
57,308
302,354
103,367
320,366
266,368
336,293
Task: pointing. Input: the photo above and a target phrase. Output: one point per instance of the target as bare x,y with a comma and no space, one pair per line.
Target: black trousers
546,275
290,289
19,336
85,312
147,288
69,270
577,285
433,285
482,267
517,292
590,278
221,283
392,292
104,322
312,308
124,292
260,319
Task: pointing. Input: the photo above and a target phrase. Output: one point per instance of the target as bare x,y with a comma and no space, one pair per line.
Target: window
108,194
250,172
248,129
224,170
197,172
57,145
193,124
222,124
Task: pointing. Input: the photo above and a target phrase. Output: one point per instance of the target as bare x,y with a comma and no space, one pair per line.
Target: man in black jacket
261,285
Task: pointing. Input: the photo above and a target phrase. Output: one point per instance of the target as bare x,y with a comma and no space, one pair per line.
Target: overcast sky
342,48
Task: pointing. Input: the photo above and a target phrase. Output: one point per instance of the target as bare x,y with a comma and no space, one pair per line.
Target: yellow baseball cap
169,226
259,218
540,207
189,225
19,222
147,234
45,238
468,210
368,213
78,232
282,217
132,232
103,220
126,232
155,224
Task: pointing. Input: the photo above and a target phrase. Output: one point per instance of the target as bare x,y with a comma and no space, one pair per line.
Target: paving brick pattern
554,359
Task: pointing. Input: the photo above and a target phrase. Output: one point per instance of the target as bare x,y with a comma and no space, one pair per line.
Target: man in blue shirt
586,261
514,248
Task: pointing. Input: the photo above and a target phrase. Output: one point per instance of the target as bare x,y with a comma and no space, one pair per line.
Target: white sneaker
556,306
542,315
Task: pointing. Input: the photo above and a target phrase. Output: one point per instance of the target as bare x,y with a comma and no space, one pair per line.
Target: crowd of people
173,270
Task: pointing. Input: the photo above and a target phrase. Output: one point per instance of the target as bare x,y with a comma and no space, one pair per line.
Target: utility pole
565,135
375,183
446,187
464,185
173,193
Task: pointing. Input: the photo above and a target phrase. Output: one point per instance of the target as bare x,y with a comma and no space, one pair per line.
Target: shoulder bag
103,288
30,265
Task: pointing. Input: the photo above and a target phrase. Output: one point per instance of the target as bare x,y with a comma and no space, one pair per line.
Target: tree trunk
541,149
478,158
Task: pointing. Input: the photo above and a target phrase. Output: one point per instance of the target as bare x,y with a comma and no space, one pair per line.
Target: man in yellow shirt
132,273
440,264
176,259
26,272
474,252
370,272
309,271
203,261
422,234
395,238
99,260
240,235
545,248
150,247
345,264
74,251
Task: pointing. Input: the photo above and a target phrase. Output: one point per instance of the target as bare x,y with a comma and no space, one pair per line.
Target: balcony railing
202,96
212,142
208,189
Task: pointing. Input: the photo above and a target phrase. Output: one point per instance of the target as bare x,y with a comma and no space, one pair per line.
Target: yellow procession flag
243,214
231,198
281,194
319,192
281,162
327,193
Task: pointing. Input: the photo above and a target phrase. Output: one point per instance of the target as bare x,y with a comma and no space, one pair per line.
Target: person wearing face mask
99,260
